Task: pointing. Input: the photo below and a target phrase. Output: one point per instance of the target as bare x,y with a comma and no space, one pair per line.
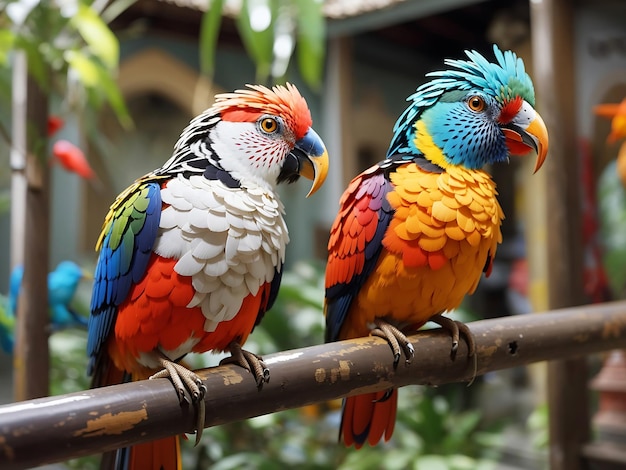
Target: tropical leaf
96,77
7,39
99,38
209,32
255,26
311,41
84,67
114,9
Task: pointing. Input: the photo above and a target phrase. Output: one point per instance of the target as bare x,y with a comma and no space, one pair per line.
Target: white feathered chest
230,241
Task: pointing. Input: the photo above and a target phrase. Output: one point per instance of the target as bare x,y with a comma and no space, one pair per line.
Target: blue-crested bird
415,232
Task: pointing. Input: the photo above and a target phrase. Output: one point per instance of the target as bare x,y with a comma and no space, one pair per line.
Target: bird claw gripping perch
185,382
250,362
456,330
397,341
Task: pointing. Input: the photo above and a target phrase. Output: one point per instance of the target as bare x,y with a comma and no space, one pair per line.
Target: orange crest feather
247,105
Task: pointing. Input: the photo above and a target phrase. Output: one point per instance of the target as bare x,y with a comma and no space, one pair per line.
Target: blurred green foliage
70,49
612,211
270,31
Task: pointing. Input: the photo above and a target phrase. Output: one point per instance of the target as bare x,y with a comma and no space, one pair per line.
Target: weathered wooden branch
57,428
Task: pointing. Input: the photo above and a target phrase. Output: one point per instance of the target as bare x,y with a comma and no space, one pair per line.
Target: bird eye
476,103
269,125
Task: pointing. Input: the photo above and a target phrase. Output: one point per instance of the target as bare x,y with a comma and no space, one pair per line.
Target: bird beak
521,138
312,157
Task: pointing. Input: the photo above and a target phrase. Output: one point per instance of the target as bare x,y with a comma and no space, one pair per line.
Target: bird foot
456,330
186,382
397,341
250,362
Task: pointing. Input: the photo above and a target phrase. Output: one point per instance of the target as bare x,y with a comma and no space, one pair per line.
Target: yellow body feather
444,228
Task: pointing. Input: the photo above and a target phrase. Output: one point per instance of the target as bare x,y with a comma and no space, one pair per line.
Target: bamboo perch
93,421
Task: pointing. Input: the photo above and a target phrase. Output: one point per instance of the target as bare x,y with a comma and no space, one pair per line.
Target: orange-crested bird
415,232
191,254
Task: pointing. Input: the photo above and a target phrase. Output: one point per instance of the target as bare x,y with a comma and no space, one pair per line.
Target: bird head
255,135
473,114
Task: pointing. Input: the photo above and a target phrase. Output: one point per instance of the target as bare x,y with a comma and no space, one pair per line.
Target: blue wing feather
122,261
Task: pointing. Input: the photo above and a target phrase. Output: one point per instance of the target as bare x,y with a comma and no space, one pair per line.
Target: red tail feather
163,454
369,417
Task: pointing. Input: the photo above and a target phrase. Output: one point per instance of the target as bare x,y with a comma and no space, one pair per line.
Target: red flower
72,158
54,124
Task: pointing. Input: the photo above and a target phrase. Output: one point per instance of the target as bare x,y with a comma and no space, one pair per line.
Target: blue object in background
62,285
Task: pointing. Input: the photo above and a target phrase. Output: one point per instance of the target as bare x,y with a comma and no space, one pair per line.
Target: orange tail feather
369,417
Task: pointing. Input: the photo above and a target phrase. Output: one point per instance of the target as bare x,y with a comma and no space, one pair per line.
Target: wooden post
30,231
568,399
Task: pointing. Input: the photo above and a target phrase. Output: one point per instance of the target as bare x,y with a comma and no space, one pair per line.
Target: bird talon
201,411
250,362
396,360
409,353
397,340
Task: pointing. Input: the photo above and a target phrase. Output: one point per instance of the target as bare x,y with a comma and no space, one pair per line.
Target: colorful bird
415,232
191,254
62,286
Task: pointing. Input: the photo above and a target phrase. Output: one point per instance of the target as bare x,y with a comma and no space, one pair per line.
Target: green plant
271,30
66,43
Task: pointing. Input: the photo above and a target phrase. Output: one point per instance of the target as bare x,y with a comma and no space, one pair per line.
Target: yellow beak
313,158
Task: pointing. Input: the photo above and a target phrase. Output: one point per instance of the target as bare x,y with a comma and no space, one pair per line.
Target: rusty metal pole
568,398
30,231
103,419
